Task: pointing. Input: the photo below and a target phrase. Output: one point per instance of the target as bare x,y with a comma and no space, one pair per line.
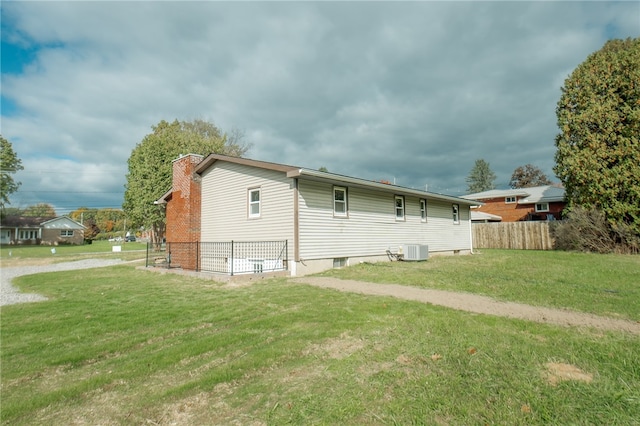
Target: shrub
588,230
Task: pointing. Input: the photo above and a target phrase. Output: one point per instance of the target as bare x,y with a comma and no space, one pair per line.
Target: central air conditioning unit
415,252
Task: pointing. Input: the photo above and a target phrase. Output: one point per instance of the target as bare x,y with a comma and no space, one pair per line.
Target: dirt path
477,304
460,301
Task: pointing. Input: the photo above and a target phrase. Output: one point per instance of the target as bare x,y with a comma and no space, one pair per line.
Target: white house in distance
326,219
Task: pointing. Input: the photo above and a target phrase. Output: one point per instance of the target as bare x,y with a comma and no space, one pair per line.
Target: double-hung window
340,201
254,202
423,210
510,200
542,207
399,207
455,210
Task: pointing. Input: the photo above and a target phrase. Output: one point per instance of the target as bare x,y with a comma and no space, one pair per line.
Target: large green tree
9,164
150,166
528,176
480,178
598,148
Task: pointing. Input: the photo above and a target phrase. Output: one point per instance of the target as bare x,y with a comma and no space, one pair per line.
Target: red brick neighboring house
513,205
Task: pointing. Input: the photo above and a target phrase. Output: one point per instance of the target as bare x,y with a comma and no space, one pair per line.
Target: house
513,205
40,230
482,217
325,219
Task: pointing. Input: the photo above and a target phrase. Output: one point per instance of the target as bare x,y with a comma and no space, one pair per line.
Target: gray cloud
414,91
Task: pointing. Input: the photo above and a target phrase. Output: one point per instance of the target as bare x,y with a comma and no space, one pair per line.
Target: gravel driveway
10,295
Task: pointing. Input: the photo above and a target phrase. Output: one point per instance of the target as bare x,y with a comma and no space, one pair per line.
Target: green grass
123,346
11,255
606,285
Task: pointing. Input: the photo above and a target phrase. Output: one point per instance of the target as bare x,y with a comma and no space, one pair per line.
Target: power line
74,192
82,173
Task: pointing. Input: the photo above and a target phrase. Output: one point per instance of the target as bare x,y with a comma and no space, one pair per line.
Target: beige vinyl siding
225,214
444,235
371,227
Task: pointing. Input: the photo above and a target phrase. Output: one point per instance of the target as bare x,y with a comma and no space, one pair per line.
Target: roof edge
213,158
302,173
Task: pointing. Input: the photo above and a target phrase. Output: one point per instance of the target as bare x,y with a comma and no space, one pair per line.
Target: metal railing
232,258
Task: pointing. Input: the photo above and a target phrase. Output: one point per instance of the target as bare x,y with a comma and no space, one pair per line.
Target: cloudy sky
411,92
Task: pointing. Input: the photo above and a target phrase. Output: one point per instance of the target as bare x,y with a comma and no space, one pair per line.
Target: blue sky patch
15,58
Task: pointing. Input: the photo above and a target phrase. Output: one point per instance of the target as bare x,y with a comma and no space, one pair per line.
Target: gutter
363,183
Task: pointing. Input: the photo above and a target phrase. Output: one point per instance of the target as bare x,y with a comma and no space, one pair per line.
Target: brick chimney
183,207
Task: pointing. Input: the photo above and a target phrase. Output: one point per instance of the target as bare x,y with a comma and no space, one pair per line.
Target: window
28,235
423,210
340,262
399,207
542,207
258,266
66,233
510,200
339,201
254,202
455,209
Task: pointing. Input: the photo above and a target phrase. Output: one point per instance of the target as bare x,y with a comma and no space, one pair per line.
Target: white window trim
66,233
28,234
455,211
543,209
399,209
510,200
251,203
337,213
423,210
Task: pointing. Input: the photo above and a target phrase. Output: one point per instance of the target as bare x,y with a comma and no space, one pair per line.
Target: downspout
470,231
296,227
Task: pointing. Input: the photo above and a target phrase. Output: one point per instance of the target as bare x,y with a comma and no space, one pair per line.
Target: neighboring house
40,230
326,219
513,205
482,217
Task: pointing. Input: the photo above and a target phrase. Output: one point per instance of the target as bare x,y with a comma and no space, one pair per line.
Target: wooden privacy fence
512,235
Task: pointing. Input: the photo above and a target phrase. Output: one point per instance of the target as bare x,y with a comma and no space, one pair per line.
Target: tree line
482,178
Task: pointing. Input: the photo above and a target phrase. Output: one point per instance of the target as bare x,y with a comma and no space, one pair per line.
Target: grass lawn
606,285
124,346
11,255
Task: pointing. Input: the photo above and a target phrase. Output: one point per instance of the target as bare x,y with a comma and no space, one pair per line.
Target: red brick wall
514,212
183,212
